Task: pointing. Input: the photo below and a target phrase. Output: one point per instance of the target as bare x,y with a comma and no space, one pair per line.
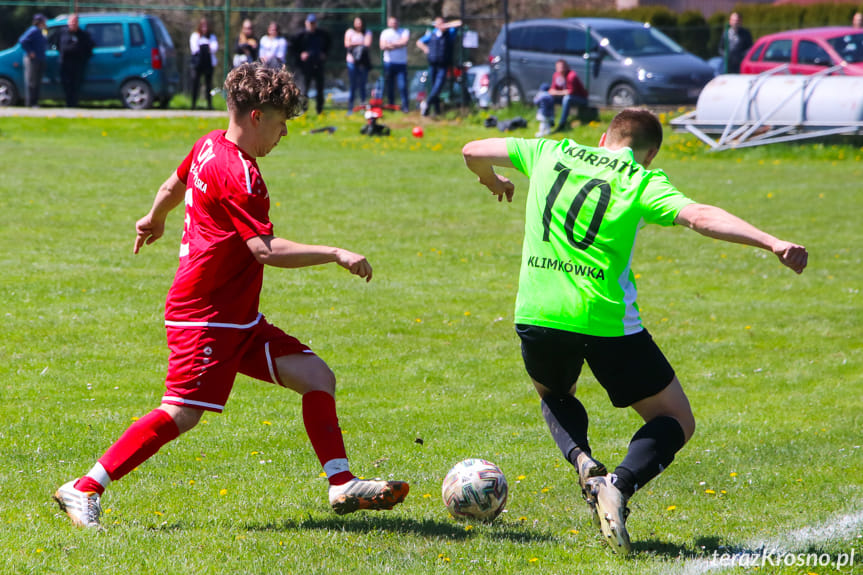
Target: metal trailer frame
761,130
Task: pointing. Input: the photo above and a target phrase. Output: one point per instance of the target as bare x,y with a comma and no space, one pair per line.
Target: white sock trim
99,474
334,466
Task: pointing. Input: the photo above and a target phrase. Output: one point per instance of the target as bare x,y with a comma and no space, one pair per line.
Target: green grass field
771,361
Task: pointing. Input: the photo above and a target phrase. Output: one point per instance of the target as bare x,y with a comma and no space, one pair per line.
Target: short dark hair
637,128
254,86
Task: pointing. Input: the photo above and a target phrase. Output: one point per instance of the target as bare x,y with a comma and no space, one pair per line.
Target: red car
808,51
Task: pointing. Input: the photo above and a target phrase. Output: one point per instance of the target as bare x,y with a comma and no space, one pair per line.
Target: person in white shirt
393,43
358,42
273,47
203,47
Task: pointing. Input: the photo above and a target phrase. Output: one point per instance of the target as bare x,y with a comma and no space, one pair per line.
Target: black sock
651,450
567,421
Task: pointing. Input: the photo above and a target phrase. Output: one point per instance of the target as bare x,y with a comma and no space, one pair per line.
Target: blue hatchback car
133,60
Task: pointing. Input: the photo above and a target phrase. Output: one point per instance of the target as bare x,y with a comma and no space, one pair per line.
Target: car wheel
622,96
500,92
137,94
8,93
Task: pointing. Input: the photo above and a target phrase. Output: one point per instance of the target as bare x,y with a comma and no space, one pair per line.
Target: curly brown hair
253,86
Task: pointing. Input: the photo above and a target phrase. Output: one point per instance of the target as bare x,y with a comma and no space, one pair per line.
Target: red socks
147,435
322,427
140,442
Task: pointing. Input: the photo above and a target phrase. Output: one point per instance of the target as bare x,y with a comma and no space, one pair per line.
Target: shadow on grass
402,525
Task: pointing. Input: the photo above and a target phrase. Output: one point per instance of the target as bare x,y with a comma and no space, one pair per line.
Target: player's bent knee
185,417
305,373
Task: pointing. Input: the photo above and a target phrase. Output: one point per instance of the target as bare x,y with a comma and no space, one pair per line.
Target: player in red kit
214,328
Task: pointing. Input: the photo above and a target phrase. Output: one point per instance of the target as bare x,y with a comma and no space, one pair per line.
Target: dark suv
621,62
133,60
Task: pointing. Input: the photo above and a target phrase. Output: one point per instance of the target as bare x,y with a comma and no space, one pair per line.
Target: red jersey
571,83
218,281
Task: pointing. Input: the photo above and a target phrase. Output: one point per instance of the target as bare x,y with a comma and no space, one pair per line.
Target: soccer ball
475,488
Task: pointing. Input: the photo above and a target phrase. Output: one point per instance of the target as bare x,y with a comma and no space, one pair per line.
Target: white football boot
82,508
587,468
612,511
359,494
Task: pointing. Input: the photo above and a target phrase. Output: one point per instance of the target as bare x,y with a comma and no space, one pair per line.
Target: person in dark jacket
438,46
76,47
34,44
735,42
312,46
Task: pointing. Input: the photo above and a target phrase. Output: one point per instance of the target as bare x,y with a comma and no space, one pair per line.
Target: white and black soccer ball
475,488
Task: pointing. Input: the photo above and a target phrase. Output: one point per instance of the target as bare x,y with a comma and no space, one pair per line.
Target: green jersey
584,208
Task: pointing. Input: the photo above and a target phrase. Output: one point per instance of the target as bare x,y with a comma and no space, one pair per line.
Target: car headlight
645,76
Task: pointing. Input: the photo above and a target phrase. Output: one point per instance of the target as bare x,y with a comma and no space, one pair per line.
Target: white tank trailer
753,110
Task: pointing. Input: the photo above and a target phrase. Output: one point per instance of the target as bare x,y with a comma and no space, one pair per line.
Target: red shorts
205,361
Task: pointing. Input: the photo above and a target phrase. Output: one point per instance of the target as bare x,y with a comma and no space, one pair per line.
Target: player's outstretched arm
716,223
481,156
282,253
151,227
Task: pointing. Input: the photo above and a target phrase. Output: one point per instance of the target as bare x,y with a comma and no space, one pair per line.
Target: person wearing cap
34,44
312,45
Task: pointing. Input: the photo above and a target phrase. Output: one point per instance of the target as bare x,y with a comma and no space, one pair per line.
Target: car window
809,52
161,33
778,51
646,41
519,38
756,54
54,37
136,34
548,39
106,35
849,47
575,41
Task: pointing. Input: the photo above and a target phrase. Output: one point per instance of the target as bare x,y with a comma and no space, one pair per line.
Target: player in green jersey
577,296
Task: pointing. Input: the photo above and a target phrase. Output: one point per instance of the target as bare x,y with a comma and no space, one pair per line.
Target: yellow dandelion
533,559
191,482
322,474
266,422
545,490
522,518
468,527
733,474
467,313
254,453
671,508
710,492
159,513
426,495
520,477
223,492
574,531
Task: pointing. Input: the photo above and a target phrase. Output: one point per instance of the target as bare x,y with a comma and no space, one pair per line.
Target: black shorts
629,367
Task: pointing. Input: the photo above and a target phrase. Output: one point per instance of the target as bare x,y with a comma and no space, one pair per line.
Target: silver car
620,62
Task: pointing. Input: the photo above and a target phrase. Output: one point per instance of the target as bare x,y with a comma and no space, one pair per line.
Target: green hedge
701,36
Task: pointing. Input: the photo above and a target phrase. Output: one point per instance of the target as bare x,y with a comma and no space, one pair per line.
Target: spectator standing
566,89
735,41
857,20
438,44
312,45
358,42
246,51
394,45
34,44
76,47
274,47
203,46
